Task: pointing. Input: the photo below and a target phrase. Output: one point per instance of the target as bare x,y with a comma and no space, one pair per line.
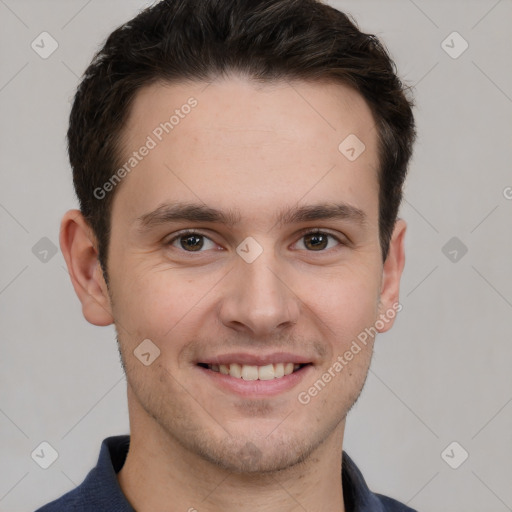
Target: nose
258,300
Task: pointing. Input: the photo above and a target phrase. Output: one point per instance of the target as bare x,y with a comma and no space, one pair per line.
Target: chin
251,457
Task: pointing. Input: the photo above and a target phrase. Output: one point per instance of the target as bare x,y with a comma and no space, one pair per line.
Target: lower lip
257,388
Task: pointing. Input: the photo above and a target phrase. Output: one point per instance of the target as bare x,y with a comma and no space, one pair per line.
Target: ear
391,274
78,246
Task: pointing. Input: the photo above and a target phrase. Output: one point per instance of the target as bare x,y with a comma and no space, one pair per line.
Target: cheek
152,302
346,300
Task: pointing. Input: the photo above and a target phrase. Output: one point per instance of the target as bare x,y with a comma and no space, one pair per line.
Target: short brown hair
267,40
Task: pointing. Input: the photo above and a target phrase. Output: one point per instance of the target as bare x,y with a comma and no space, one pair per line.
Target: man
239,166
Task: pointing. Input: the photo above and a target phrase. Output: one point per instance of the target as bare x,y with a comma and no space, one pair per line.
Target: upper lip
256,359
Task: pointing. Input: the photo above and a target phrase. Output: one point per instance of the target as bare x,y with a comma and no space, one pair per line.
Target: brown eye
316,241
192,242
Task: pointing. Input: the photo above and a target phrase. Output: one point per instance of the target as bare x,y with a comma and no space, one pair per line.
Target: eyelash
302,233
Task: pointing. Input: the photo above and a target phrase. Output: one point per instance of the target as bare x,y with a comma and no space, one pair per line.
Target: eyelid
343,240
188,231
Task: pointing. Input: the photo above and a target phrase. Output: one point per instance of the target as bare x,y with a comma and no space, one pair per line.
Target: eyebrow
196,212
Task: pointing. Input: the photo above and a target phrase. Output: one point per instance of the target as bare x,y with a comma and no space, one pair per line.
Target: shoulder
391,505
100,489
359,498
67,503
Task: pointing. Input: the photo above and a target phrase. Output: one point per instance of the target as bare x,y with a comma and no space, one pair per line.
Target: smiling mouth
252,372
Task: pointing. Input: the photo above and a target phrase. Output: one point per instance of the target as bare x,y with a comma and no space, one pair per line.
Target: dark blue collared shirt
100,491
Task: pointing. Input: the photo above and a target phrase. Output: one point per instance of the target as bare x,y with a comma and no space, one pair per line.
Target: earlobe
391,274
78,247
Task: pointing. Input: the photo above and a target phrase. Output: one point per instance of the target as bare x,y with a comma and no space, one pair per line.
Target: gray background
441,375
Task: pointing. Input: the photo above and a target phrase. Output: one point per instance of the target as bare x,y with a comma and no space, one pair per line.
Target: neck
159,471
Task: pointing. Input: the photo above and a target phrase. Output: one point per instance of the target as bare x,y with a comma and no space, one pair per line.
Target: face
245,242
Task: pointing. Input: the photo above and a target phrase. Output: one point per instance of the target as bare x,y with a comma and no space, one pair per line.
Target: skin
256,150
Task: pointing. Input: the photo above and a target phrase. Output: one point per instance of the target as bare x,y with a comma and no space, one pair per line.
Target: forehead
236,143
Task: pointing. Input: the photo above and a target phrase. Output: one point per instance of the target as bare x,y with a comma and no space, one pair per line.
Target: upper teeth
250,372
